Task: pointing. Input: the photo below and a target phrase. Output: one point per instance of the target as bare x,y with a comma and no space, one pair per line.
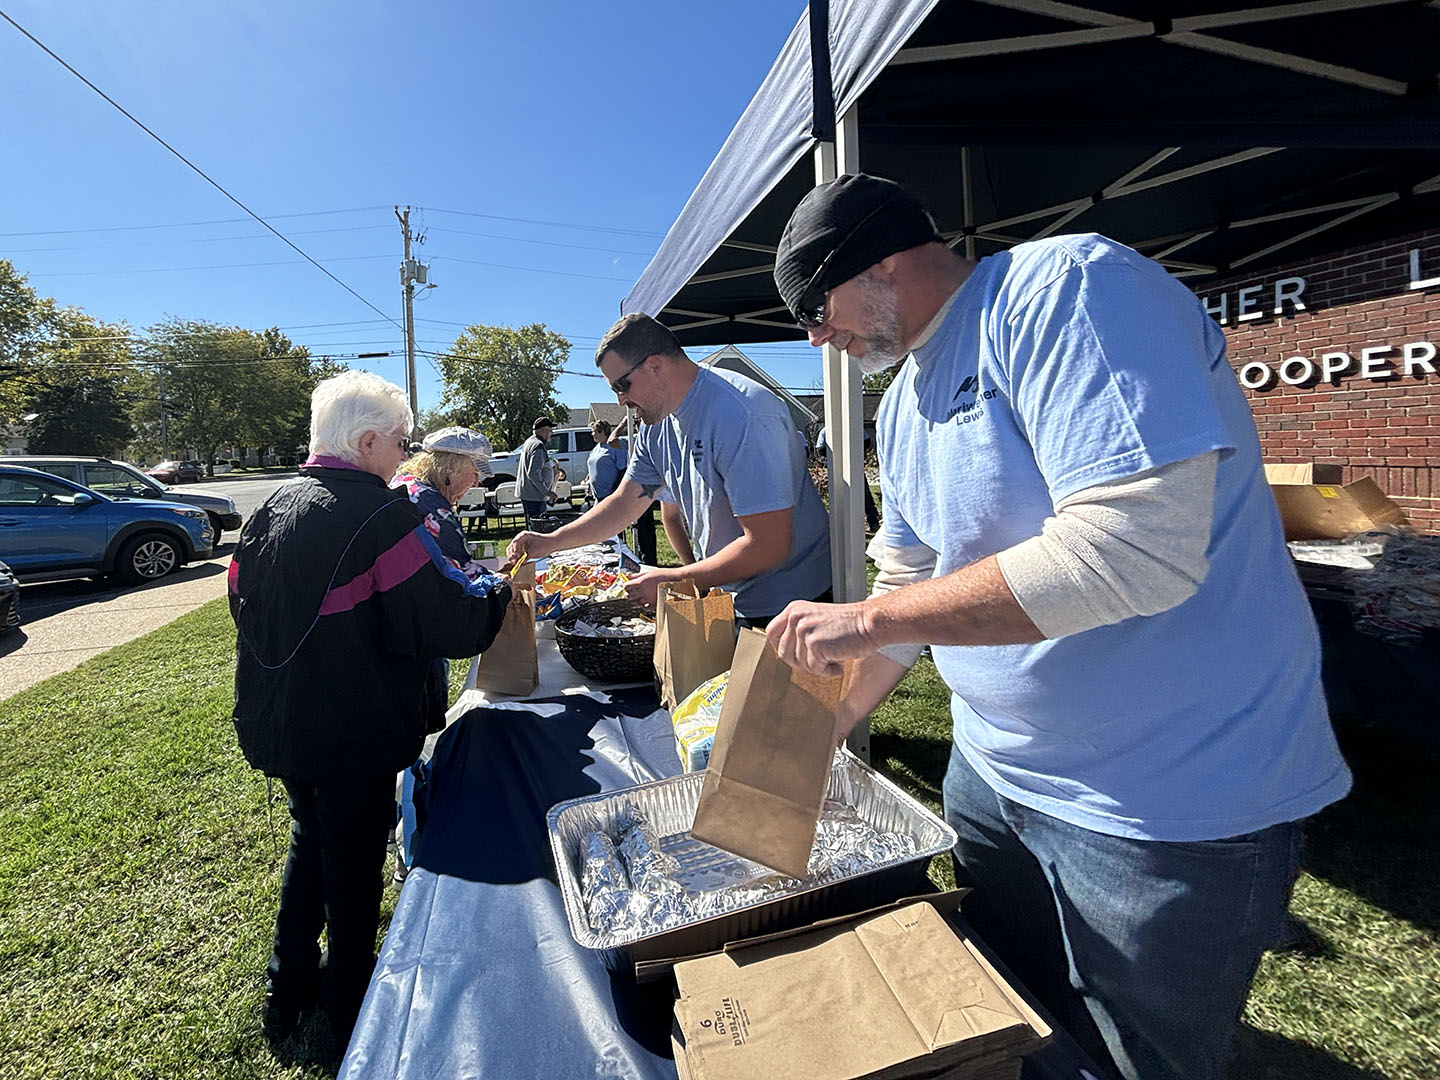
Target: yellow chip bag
694,720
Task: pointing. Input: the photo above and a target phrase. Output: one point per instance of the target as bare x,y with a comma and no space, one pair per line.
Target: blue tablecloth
479,975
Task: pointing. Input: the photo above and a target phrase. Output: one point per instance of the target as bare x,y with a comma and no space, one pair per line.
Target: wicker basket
552,520
607,659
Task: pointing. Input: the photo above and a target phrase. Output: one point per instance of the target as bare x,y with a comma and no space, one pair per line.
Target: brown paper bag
510,665
694,638
770,765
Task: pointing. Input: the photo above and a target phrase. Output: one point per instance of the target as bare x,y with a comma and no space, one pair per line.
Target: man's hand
644,585
816,637
535,545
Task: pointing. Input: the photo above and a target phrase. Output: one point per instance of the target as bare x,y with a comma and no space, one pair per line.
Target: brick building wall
1375,414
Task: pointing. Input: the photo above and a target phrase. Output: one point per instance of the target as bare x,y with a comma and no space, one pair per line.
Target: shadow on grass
1262,1055
1382,841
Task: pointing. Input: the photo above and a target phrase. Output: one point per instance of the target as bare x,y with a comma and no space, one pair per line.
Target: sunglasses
622,384
810,314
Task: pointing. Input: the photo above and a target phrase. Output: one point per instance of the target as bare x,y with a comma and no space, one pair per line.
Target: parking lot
65,623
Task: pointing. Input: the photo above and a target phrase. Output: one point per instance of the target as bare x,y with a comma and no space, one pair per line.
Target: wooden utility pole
407,283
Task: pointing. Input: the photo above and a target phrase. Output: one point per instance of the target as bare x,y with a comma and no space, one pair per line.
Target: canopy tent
1217,140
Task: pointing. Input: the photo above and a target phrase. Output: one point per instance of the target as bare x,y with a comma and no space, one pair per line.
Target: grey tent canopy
1221,139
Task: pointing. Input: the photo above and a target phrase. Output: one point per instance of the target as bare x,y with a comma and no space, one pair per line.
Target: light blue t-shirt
605,464
730,450
1063,364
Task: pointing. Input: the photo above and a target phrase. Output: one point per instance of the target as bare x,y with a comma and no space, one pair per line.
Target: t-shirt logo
968,388
698,452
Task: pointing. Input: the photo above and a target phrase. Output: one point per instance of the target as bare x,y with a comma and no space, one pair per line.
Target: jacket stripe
232,576
394,567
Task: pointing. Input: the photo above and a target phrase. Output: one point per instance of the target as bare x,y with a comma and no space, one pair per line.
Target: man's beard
880,316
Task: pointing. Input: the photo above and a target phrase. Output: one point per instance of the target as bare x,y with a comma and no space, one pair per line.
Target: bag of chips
694,721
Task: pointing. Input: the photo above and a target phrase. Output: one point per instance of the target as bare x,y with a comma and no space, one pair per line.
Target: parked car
177,472
124,480
51,527
9,600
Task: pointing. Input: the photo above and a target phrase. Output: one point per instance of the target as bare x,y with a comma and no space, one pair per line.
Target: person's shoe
281,1019
401,871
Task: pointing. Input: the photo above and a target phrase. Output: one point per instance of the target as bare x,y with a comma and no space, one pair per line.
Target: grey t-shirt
730,450
537,475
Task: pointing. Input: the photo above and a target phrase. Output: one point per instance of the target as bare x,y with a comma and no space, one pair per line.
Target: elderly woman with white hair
342,599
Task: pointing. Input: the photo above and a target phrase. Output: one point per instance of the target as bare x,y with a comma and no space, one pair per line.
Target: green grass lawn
142,869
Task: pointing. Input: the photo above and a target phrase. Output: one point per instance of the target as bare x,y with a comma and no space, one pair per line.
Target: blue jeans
1143,950
534,508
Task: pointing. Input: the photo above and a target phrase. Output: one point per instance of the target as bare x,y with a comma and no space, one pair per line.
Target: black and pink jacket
341,599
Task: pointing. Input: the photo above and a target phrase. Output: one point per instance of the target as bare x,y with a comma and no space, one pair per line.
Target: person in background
1077,521
537,472
822,453
341,600
606,463
723,449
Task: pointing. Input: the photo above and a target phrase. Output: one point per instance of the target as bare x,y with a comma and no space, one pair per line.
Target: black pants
333,880
760,622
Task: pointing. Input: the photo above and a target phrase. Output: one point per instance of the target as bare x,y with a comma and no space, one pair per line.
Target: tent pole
845,427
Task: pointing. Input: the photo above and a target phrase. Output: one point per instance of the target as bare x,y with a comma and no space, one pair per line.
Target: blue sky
545,147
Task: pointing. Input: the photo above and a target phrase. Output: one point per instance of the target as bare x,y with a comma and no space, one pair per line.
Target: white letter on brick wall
1247,308
1256,376
1415,282
1289,288
1372,362
1306,368
1218,313
1418,354
1335,364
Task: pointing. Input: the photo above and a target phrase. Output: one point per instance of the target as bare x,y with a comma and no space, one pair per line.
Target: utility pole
407,282
164,421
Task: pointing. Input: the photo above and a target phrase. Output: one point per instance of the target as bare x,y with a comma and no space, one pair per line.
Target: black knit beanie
855,220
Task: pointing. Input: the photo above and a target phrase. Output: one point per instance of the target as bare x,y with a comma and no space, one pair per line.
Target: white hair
344,408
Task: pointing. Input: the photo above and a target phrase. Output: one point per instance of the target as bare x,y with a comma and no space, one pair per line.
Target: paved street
64,623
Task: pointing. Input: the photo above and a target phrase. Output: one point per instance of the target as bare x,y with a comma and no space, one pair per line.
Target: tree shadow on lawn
1382,841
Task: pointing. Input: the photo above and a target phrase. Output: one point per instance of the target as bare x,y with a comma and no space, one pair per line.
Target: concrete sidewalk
64,624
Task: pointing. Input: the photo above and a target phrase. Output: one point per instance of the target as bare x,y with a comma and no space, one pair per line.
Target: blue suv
50,527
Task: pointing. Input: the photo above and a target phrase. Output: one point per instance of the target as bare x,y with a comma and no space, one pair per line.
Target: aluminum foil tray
669,805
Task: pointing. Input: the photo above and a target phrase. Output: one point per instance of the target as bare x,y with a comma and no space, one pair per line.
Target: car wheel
147,558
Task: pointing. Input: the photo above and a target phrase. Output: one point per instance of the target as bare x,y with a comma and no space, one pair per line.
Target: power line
197,170
216,266
179,224
553,224
547,243
529,269
191,240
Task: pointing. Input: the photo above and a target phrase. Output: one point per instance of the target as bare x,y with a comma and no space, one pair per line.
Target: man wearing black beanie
1074,512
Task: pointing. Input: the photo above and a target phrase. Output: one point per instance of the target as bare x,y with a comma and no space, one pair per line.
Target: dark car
118,478
50,527
177,472
9,600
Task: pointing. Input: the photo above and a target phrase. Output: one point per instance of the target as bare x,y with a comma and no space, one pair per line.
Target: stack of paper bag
890,996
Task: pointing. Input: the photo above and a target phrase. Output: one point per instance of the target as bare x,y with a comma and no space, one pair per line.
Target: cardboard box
894,995
1303,473
1330,512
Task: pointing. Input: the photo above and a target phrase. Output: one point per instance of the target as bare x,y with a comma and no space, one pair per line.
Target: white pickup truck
569,449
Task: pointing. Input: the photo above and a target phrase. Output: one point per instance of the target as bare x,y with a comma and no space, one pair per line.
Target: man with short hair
537,473
722,449
1077,521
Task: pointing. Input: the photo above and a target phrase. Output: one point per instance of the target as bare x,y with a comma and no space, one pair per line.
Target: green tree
216,386
498,379
88,415
24,326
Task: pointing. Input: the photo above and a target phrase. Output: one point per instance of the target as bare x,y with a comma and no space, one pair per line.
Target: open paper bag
694,638
510,665
770,765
